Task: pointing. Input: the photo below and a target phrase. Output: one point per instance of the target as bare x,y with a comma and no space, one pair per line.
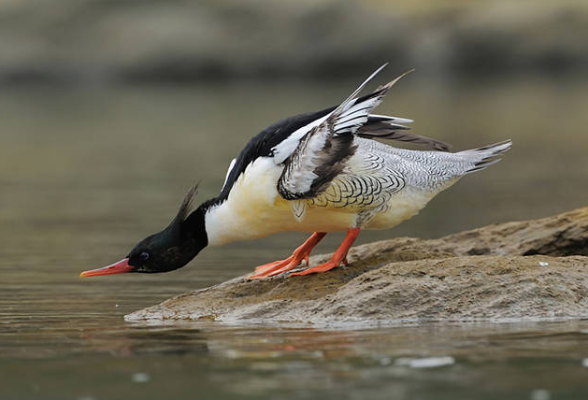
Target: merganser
317,172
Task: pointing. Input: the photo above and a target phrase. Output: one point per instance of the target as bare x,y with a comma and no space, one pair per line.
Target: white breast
255,209
251,197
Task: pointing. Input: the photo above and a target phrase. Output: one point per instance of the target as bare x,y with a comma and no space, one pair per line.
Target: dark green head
170,249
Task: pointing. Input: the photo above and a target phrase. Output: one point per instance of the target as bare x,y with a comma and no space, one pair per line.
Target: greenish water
85,174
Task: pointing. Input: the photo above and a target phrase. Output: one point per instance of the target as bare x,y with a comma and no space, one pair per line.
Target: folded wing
322,153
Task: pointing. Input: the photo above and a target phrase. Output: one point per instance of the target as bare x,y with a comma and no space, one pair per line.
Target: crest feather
186,206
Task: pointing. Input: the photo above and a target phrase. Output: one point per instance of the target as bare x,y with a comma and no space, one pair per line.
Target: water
84,174
207,361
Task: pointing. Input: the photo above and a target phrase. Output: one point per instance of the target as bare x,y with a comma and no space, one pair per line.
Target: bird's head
170,249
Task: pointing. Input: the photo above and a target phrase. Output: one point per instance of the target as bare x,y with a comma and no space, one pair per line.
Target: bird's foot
329,265
338,258
277,267
301,253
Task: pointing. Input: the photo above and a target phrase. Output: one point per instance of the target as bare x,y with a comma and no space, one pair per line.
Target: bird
318,172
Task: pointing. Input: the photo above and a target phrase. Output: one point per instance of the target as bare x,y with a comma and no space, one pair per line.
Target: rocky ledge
511,271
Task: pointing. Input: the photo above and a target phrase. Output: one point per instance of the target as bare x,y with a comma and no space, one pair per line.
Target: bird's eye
144,256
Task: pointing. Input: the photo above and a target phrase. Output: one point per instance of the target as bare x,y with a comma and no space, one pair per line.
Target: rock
516,270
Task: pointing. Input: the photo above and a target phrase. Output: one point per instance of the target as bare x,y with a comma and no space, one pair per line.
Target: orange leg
301,253
339,257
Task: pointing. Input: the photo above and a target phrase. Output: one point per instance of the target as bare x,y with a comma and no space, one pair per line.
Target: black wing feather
382,128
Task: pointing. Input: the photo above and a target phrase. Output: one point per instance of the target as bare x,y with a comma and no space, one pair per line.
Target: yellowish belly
399,208
316,219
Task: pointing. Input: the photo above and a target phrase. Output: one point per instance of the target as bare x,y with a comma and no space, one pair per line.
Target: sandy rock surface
511,271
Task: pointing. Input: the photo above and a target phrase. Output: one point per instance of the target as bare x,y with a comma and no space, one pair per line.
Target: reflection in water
136,342
85,174
386,362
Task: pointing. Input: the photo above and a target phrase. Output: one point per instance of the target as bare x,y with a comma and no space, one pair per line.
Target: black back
261,145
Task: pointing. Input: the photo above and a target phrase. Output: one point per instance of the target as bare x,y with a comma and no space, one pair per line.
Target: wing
322,153
385,127
366,183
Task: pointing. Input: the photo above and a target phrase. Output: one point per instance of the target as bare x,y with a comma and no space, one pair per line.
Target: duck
320,172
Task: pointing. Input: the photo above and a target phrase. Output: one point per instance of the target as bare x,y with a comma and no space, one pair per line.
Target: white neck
249,211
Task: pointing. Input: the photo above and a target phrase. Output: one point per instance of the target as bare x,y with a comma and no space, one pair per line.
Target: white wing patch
231,165
285,148
300,169
393,118
353,116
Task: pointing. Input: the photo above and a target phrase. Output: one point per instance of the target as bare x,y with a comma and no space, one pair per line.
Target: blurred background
111,109
94,42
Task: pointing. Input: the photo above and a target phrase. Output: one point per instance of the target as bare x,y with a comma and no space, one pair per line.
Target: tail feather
484,157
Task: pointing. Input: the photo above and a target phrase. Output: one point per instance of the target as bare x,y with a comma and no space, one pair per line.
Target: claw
300,254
